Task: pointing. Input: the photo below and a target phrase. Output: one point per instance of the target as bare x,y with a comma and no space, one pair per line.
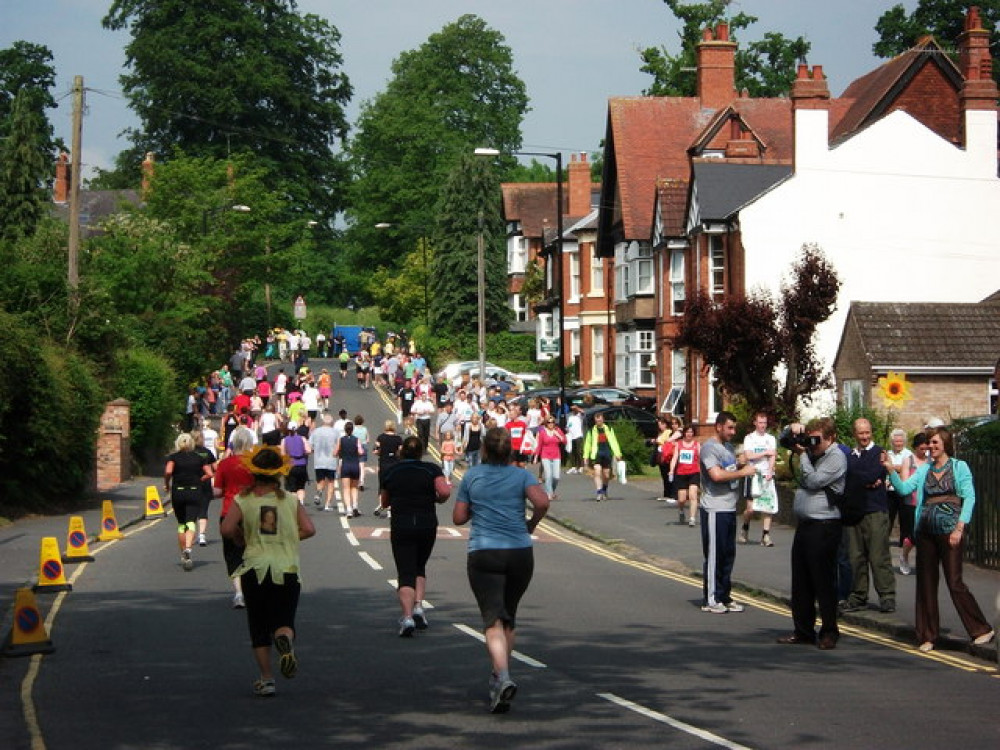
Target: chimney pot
706,34
817,72
803,71
722,32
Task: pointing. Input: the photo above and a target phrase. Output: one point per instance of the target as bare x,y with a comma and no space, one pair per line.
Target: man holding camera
822,466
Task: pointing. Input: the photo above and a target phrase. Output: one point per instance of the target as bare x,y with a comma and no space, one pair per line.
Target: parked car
644,421
617,396
470,367
573,398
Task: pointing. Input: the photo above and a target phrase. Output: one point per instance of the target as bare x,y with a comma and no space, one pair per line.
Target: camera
789,440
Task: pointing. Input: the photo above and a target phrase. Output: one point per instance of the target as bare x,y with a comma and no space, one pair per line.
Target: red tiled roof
531,203
672,195
873,91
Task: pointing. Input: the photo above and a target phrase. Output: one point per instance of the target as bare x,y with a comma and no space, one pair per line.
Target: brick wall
113,463
947,397
932,99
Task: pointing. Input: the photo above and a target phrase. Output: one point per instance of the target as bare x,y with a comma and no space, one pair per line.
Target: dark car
573,397
644,422
617,396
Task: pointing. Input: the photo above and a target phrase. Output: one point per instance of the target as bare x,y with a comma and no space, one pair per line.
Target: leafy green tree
23,169
944,19
764,68
25,66
403,294
469,205
231,76
455,92
746,338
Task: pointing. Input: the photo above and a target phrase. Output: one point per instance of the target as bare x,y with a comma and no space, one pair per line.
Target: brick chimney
60,190
579,185
979,93
148,167
811,116
716,67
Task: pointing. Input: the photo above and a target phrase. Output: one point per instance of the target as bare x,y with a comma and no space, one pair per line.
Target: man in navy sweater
869,540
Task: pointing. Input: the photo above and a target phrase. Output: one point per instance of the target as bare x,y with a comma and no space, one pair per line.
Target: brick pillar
114,458
579,186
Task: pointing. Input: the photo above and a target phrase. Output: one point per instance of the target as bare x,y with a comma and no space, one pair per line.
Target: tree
23,168
764,68
746,338
28,67
233,77
455,92
944,19
403,295
469,205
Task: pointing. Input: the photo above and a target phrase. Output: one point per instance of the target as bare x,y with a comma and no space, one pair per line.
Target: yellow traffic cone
51,576
109,526
77,549
27,635
154,507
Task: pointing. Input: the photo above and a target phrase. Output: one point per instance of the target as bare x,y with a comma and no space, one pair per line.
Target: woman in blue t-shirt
500,562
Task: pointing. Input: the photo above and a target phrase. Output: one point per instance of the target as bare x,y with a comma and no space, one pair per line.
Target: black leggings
411,549
269,606
499,578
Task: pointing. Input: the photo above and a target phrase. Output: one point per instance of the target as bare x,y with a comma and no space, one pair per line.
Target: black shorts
297,479
683,481
604,460
187,502
232,553
411,549
499,578
325,474
350,471
269,606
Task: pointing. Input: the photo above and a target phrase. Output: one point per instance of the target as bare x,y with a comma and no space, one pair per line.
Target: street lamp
557,156
239,208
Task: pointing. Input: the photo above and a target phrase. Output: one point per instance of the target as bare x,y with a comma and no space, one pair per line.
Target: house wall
948,397
901,214
933,100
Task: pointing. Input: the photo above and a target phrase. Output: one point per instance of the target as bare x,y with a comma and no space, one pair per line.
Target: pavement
632,521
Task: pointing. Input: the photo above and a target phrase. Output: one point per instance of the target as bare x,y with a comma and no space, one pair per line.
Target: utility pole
481,278
73,275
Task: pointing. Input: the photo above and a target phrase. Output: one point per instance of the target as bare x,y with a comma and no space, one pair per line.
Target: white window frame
517,254
597,354
677,290
678,381
717,265
574,276
596,276
852,393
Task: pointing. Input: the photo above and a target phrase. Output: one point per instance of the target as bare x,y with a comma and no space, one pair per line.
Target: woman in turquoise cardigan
945,499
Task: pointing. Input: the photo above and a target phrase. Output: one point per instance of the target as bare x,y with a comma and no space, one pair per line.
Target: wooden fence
982,544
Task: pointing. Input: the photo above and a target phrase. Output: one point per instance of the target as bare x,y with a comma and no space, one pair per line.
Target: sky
572,54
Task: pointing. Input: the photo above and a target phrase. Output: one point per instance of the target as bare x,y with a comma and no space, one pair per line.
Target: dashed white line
372,562
451,531
669,721
524,659
352,539
376,533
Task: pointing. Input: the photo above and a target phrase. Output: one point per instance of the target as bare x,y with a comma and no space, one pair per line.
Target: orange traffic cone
77,549
154,506
51,576
27,635
109,526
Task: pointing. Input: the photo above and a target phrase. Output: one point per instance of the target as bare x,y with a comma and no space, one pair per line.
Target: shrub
632,444
882,424
150,384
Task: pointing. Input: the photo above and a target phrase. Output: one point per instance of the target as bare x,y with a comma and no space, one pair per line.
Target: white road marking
394,583
343,520
376,533
451,531
352,539
664,719
516,654
370,560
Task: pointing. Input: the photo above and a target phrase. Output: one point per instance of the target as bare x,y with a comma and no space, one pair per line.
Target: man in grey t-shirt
323,440
721,473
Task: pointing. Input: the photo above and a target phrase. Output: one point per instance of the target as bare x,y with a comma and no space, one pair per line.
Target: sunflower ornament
895,389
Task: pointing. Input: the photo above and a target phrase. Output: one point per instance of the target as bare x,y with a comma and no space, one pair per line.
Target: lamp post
422,241
557,156
239,208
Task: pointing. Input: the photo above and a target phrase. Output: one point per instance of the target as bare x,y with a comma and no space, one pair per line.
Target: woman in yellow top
269,524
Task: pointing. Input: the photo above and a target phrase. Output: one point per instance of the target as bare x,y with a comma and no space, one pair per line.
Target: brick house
948,353
719,192
529,210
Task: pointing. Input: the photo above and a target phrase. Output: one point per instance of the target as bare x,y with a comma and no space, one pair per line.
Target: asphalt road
613,653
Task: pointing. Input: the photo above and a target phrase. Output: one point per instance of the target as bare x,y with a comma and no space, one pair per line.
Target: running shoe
985,638
419,618
264,688
202,541
356,513
716,609
502,692
238,601
406,627
186,560
744,537
904,567
735,607
289,663
691,522
765,541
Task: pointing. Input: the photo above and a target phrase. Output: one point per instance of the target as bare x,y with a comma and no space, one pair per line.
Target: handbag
940,518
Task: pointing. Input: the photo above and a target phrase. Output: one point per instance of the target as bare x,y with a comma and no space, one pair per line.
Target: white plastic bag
621,469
